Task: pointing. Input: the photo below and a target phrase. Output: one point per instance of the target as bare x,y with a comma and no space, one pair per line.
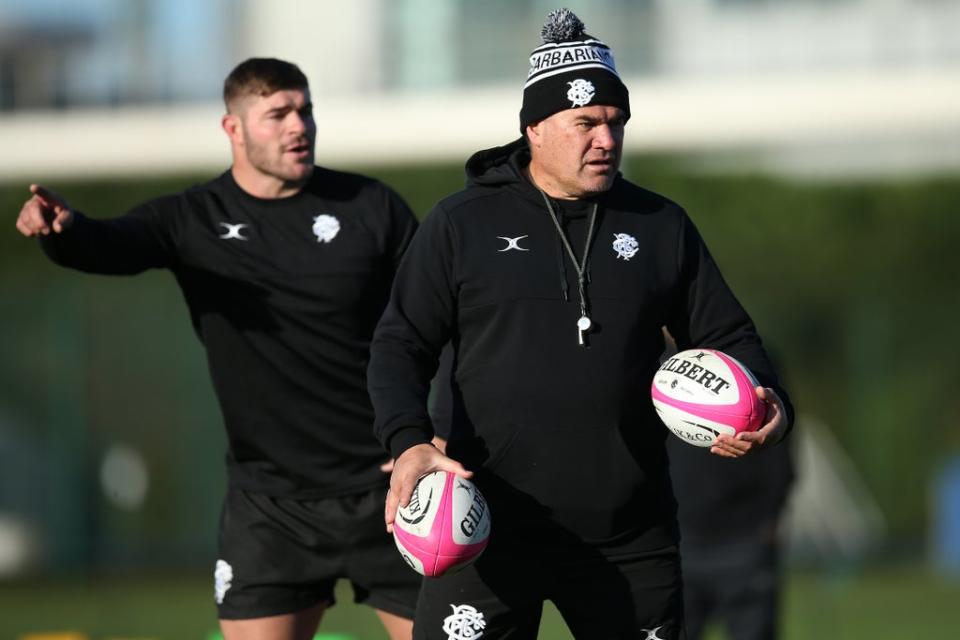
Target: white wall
336,44
828,123
704,37
852,86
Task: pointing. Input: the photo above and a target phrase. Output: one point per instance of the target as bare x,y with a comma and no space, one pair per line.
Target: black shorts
282,555
601,594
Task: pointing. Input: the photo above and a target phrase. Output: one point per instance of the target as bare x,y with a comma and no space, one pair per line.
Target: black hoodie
556,431
285,315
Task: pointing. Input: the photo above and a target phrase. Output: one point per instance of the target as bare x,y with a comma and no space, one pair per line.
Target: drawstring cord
562,269
583,267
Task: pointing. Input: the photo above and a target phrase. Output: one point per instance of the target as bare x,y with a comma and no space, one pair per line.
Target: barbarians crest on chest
325,227
625,245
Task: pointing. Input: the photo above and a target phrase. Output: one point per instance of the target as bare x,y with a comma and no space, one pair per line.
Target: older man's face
576,153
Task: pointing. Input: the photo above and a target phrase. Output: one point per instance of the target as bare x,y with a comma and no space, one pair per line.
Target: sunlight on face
577,152
279,134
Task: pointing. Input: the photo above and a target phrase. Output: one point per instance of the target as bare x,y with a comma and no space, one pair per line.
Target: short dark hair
261,77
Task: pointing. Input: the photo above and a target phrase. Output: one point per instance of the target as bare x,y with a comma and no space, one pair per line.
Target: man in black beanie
551,277
570,69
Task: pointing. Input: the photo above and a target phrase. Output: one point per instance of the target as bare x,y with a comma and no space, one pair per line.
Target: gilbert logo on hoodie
513,244
233,231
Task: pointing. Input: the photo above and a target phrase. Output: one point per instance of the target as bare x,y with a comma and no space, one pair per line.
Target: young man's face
278,134
576,152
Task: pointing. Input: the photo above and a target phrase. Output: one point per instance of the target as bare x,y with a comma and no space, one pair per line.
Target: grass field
878,604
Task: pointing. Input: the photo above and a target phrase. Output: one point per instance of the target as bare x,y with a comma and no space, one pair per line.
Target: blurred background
815,143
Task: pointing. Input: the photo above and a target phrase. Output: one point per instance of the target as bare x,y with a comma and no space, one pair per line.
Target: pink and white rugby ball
701,393
444,527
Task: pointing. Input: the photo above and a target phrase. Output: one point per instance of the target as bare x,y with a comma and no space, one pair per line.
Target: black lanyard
584,323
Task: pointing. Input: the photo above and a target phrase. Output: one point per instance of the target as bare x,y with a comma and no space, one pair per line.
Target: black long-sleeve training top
554,428
284,294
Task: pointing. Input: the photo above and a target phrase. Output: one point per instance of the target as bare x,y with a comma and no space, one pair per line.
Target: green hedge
852,284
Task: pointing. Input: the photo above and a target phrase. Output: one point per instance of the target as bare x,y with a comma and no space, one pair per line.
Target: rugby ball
444,527
701,393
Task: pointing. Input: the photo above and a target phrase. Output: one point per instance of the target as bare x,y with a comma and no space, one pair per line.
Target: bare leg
397,628
301,625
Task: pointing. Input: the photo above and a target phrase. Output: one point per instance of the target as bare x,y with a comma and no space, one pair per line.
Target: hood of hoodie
504,167
499,166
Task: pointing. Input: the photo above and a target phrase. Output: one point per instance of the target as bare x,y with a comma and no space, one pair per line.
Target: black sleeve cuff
405,438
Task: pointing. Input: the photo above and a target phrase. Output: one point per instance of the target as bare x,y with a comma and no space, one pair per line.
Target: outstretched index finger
48,198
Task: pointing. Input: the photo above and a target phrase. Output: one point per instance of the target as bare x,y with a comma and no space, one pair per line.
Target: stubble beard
598,185
270,161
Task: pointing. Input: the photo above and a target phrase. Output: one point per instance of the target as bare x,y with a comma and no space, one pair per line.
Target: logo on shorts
581,92
652,633
625,245
465,623
325,227
222,579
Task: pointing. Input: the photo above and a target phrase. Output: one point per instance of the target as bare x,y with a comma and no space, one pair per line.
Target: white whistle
583,325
